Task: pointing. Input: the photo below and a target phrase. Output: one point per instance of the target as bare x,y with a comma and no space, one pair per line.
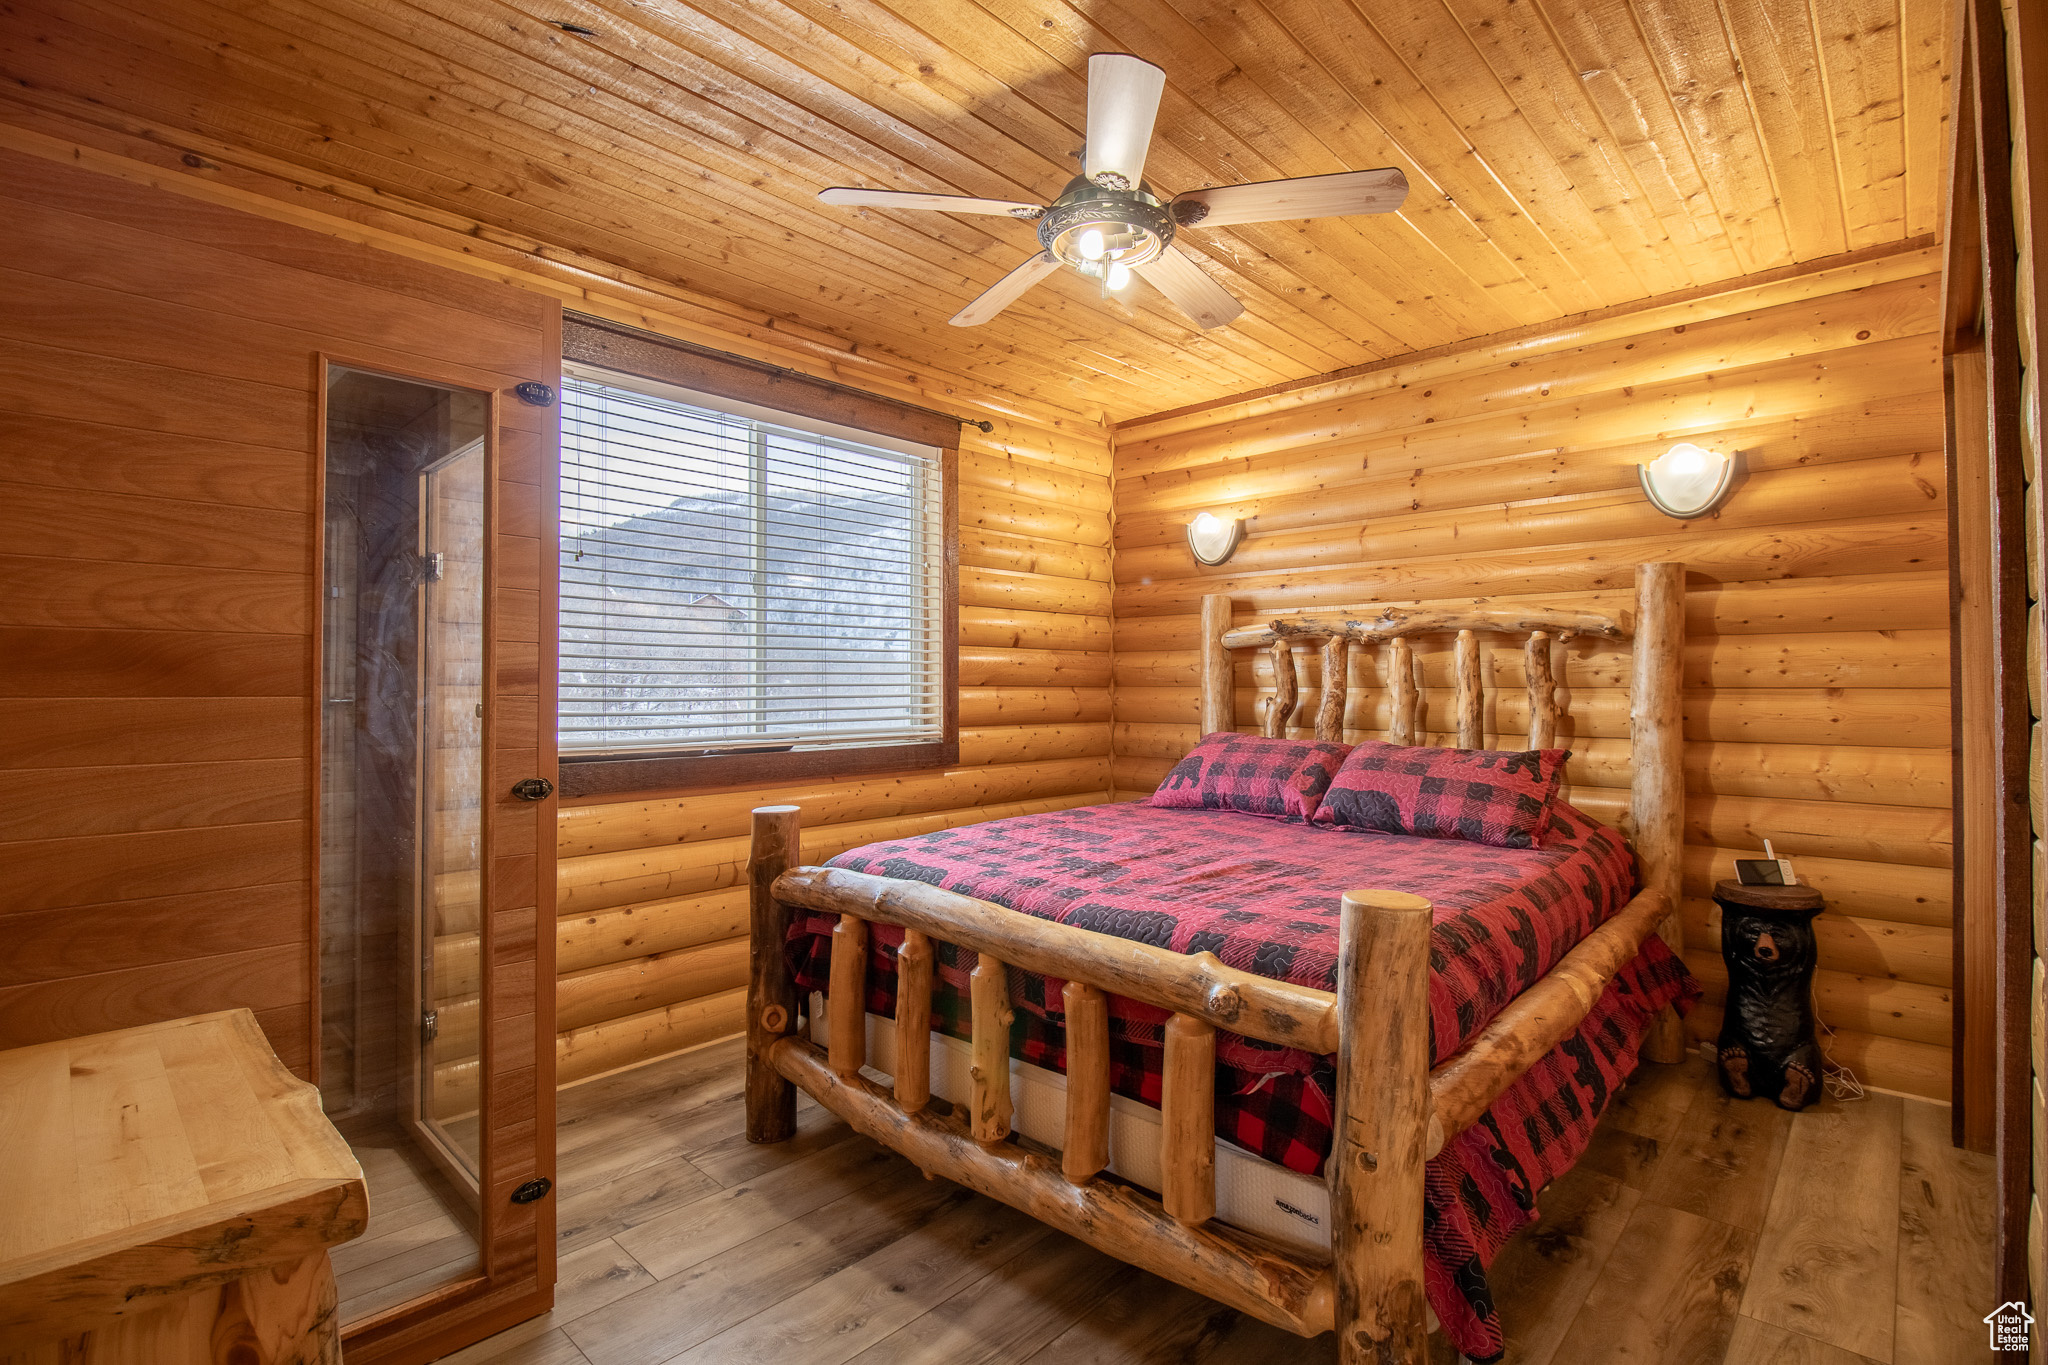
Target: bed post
1219,683
1656,734
771,988
1378,1148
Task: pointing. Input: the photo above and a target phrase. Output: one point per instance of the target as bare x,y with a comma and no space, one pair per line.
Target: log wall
1816,667
651,945
1816,677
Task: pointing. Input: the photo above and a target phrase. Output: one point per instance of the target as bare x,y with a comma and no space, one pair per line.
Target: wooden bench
170,1195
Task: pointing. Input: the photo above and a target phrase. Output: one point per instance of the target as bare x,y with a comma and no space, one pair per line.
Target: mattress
1263,896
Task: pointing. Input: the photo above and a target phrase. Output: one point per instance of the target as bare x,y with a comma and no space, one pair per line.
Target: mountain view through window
733,584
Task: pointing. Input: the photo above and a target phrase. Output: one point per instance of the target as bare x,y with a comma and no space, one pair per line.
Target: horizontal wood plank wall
1034,637
1816,704
651,946
157,516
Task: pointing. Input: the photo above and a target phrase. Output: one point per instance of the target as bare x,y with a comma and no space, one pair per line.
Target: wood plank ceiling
1563,156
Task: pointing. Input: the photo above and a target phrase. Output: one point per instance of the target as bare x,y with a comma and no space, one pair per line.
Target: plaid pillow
1281,778
1487,796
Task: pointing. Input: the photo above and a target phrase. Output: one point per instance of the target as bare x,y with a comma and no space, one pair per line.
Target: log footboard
1393,1113
771,990
1229,1266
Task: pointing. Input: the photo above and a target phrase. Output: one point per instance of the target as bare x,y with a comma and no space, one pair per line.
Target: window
746,592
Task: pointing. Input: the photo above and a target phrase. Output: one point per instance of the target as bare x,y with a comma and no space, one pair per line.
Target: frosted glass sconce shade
1687,481
1212,539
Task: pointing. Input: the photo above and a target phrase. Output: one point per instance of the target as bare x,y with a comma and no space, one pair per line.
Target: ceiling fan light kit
1104,233
1109,225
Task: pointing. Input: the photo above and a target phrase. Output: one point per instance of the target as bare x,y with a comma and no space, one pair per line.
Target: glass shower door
451,764
402,835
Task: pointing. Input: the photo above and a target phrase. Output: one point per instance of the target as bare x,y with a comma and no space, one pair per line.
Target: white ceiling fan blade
1309,196
1006,290
1188,287
846,197
1123,101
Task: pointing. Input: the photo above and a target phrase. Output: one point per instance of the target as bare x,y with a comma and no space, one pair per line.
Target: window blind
731,583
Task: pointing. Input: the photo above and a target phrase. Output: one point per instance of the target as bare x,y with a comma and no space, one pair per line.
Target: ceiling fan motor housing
1091,226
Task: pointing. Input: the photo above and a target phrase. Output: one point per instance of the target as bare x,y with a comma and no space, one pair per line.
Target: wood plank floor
1697,1229
419,1237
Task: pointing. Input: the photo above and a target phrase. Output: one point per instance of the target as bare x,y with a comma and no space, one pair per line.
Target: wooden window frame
644,355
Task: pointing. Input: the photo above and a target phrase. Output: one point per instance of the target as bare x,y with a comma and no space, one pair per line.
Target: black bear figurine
1767,1042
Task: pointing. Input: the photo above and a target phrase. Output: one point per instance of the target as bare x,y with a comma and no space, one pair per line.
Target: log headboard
1655,819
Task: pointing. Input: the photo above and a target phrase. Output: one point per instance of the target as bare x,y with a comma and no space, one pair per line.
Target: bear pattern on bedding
1258,894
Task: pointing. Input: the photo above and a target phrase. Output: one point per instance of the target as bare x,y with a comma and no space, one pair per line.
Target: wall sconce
1687,481
1212,539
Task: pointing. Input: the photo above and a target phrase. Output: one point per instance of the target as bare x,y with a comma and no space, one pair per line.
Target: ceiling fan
1110,225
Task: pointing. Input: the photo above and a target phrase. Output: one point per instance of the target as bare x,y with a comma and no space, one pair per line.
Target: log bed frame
1393,1112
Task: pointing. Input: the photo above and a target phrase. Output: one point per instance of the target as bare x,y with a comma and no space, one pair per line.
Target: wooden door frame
470,1309
1992,716
438,1147
1973,1082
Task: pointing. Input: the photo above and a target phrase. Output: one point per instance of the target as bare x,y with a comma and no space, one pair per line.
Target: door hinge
431,565
430,1025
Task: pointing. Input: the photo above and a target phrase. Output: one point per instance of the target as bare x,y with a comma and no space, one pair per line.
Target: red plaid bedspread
1263,896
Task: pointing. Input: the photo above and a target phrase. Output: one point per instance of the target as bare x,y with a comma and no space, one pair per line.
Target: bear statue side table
1767,1042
